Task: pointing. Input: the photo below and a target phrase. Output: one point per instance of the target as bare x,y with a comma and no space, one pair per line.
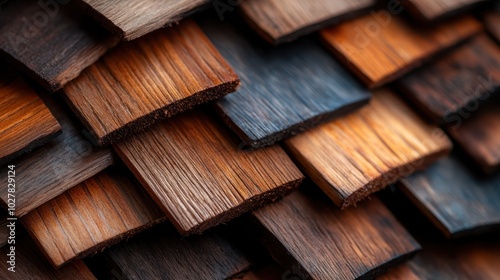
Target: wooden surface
164,254
327,243
491,19
95,214
466,76
30,264
163,74
134,18
4,231
25,122
52,47
285,90
279,22
192,167
479,135
458,201
469,259
395,47
354,156
434,9
59,165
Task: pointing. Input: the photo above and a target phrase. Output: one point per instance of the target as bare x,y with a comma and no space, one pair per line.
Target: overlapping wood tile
378,52
134,18
164,254
459,80
25,122
30,264
354,156
192,167
491,18
163,74
279,22
57,166
478,134
433,9
477,259
285,90
91,216
50,40
309,233
455,199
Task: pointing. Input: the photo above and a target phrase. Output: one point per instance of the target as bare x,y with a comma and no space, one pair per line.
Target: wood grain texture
380,51
51,42
491,19
476,259
25,122
361,153
91,216
280,22
164,254
478,134
455,199
429,10
4,231
135,18
328,243
193,169
56,167
30,264
285,90
163,74
466,76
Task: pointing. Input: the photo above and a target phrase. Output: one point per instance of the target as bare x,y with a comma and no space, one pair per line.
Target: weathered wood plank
50,41
429,10
143,81
25,121
380,51
285,90
361,153
56,167
279,22
192,167
461,79
164,254
325,242
95,214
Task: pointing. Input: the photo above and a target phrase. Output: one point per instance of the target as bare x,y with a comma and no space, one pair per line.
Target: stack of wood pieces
249,139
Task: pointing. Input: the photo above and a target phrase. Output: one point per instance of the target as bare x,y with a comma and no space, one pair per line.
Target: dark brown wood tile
320,241
429,10
279,22
164,73
379,52
462,78
164,254
51,42
192,167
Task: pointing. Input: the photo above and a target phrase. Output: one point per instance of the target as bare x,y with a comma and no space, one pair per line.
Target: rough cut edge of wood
156,116
32,146
302,31
254,143
393,176
280,254
460,233
134,34
362,77
414,11
99,247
